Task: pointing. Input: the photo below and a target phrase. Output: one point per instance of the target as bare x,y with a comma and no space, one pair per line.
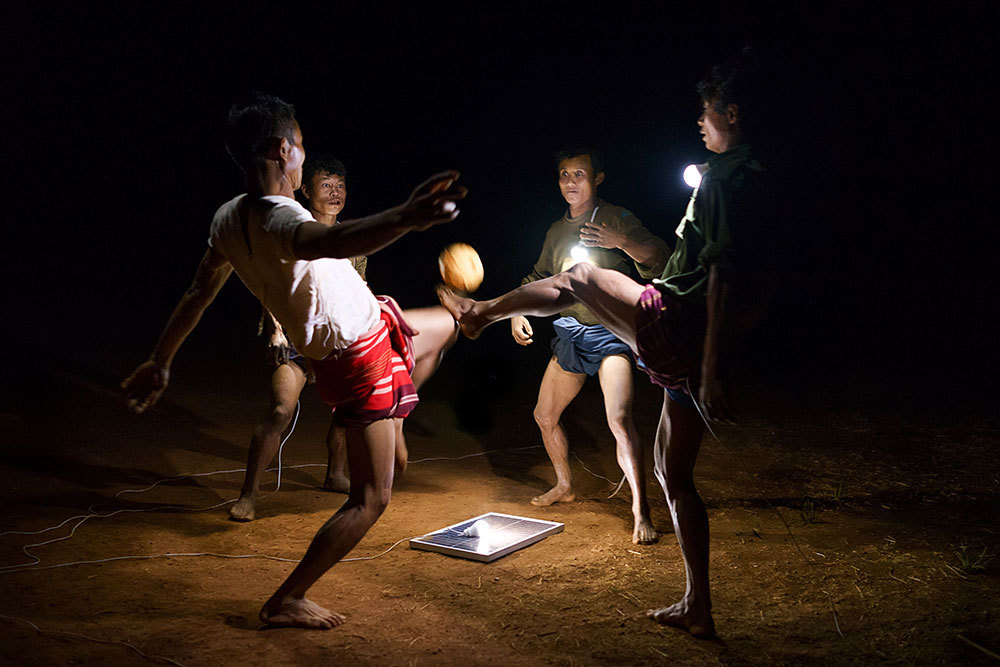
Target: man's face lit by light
327,193
577,180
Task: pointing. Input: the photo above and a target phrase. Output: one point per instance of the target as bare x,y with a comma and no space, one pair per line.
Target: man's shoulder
285,206
612,213
734,167
228,209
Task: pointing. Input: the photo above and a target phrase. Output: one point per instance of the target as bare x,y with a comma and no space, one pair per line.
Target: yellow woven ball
461,267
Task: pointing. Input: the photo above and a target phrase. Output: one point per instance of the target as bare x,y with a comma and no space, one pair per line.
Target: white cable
618,486
34,564
469,456
295,421
60,633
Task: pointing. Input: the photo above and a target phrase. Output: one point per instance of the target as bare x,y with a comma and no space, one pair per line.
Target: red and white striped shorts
370,379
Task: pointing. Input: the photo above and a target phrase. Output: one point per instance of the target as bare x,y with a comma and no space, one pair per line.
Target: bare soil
878,500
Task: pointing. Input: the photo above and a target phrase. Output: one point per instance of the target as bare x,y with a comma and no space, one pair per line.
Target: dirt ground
879,500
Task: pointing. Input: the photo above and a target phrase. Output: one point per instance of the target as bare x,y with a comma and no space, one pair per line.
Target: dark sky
115,162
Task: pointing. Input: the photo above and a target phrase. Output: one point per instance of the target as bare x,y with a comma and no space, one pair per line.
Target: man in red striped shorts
361,347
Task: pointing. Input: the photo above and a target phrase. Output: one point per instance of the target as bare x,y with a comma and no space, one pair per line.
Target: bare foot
337,483
680,615
460,308
244,509
299,613
554,495
643,532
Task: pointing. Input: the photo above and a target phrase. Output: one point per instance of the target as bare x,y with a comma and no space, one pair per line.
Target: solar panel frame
449,541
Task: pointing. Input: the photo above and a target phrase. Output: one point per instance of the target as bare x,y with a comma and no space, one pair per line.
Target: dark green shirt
565,233
719,227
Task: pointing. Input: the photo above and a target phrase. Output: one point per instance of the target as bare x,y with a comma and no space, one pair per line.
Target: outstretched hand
144,386
433,201
716,400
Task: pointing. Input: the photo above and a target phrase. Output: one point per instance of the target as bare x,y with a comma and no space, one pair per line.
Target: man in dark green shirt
683,325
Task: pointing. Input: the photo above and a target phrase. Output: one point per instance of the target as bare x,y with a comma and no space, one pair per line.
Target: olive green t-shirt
718,229
564,234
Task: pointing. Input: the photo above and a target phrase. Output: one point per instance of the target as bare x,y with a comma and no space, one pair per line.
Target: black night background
114,165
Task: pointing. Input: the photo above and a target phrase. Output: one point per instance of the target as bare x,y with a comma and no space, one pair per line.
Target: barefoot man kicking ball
324,187
610,237
683,325
362,348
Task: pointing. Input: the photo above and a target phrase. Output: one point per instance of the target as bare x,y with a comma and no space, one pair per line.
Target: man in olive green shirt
685,325
609,237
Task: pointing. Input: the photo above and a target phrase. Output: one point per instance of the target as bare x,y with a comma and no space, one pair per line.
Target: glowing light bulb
692,175
480,529
579,253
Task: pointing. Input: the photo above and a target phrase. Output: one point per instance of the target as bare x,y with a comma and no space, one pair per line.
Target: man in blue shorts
609,237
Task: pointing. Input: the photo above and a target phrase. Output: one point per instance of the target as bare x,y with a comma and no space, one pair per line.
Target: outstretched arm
144,386
432,203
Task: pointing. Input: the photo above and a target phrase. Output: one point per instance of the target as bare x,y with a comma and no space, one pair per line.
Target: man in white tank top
299,270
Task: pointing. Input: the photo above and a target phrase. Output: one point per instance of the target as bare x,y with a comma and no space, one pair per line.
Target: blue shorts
681,397
581,349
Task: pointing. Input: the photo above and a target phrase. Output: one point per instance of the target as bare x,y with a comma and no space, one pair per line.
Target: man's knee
620,424
375,502
579,274
674,484
281,416
545,419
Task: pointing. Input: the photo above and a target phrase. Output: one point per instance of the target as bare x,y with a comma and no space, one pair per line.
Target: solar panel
487,537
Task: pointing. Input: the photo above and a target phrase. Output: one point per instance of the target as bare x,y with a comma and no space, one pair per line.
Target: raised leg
615,375
286,385
613,297
371,456
558,388
437,332
678,440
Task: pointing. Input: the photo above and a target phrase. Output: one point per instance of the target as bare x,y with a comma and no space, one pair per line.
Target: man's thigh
435,326
558,389
287,382
612,296
617,385
371,452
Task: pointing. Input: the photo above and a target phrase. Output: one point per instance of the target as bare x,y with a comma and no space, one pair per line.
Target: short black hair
254,120
324,162
735,81
576,150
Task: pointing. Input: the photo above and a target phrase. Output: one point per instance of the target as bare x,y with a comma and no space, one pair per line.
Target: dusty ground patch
879,502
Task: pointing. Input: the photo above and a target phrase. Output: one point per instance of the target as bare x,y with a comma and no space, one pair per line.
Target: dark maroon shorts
670,335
